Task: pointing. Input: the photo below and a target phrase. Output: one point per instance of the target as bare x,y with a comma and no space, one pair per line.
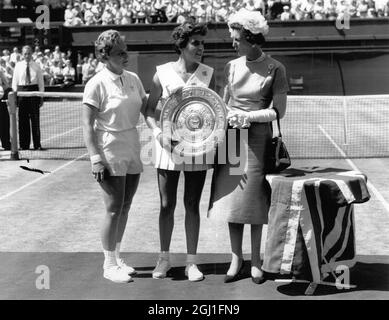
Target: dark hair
105,42
183,32
250,37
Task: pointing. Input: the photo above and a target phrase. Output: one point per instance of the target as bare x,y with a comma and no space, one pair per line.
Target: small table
311,222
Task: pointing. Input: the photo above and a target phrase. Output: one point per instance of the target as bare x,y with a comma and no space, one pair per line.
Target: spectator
221,14
126,14
171,11
318,10
5,70
88,70
15,55
6,55
57,54
37,50
286,14
68,16
107,17
56,71
69,74
276,9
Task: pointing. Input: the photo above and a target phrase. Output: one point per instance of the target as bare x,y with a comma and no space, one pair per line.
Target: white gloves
242,119
264,115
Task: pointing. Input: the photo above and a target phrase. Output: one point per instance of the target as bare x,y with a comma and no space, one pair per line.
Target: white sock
117,250
164,255
191,258
110,259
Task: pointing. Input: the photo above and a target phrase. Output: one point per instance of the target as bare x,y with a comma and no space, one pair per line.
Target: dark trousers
4,126
29,119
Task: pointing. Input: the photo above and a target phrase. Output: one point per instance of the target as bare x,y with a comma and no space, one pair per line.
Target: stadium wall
320,57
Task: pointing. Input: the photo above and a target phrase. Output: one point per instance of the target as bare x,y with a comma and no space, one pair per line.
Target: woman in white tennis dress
112,102
186,71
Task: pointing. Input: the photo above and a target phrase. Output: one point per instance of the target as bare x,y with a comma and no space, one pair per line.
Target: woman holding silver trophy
254,81
170,78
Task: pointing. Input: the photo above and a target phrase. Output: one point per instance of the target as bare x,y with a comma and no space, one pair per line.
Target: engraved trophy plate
196,120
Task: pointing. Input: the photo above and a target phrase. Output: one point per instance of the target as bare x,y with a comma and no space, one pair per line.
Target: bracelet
156,132
95,158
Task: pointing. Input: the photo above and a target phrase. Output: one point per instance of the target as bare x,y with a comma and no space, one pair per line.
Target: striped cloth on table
311,221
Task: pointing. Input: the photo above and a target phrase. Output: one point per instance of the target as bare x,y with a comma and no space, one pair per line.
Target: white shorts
120,151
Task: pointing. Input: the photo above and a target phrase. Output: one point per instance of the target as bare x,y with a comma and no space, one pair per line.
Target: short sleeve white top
118,99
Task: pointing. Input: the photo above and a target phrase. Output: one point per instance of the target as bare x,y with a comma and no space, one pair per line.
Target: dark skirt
239,192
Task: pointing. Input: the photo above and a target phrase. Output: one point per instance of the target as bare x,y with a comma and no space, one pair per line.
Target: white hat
252,21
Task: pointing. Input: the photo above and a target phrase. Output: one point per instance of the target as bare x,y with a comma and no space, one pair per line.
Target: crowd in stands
56,65
123,12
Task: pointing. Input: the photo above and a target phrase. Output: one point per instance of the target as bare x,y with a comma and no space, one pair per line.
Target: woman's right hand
165,141
98,171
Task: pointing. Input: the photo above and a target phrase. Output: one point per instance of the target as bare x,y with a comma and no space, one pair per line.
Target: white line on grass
354,167
40,178
61,134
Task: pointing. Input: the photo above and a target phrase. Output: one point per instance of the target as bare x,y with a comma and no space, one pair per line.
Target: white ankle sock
191,258
117,250
164,255
110,259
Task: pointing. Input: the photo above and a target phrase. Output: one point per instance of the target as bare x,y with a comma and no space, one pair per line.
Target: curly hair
105,42
183,32
250,37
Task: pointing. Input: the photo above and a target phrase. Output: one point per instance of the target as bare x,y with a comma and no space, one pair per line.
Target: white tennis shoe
129,270
163,266
117,274
193,273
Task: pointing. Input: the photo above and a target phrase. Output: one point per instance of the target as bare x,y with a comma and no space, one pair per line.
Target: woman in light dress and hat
240,193
187,70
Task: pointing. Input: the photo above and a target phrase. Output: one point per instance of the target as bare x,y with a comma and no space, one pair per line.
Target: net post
11,103
345,121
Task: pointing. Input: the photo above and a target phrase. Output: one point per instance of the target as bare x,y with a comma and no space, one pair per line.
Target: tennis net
314,127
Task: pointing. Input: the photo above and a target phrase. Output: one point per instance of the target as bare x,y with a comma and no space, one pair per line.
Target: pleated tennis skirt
239,192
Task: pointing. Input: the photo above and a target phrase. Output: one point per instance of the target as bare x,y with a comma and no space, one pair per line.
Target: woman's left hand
238,119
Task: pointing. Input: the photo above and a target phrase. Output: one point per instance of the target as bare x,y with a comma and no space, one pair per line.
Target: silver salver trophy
196,119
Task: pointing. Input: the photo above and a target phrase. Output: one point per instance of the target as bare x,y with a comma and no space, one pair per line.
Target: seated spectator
298,13
5,70
88,70
318,10
201,12
56,71
68,16
222,13
286,14
362,9
15,55
126,14
107,17
6,55
89,18
69,74
371,13
57,54
276,9
37,50
171,11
